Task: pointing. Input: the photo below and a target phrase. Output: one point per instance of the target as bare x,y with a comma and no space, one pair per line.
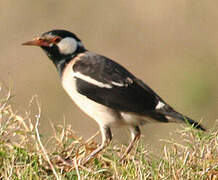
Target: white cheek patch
67,46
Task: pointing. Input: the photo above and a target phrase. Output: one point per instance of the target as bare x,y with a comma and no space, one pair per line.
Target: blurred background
170,45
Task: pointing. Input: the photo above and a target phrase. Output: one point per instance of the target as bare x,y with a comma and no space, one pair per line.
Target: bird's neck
60,65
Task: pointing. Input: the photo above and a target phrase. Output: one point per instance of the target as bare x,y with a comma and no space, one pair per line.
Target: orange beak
38,42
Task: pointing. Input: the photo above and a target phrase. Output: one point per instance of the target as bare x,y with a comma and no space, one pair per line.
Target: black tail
170,113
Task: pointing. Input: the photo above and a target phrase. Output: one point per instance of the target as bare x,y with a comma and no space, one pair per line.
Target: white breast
100,113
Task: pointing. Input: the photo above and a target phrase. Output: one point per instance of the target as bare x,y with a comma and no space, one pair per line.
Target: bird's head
58,44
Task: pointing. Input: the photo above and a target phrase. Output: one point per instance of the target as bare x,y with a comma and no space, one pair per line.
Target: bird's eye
57,39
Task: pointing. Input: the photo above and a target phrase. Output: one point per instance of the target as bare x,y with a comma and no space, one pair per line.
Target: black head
59,45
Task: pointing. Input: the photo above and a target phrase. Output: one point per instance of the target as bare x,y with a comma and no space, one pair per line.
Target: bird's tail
173,116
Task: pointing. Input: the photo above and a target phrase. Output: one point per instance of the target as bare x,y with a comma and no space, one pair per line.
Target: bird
105,90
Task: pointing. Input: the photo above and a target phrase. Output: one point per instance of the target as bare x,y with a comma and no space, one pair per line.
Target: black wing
112,85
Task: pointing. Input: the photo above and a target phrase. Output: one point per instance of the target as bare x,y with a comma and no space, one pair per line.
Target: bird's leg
135,134
106,139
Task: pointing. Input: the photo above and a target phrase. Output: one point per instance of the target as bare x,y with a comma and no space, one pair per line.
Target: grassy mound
25,154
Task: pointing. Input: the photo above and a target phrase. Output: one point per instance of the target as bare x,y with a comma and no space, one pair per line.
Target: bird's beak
38,42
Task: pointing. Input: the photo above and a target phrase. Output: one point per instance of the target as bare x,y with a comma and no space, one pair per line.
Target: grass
26,154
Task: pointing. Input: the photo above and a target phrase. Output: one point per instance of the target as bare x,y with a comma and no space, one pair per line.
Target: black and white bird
104,89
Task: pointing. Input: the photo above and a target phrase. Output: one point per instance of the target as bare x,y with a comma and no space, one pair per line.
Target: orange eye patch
56,39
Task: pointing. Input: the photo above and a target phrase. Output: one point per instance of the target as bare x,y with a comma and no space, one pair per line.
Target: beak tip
27,43
36,42
23,44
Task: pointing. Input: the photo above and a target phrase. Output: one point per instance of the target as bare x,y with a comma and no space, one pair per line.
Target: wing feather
110,84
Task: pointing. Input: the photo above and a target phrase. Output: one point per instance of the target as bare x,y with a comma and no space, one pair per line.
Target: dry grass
25,154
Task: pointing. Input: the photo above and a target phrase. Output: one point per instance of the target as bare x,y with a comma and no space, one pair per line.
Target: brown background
171,45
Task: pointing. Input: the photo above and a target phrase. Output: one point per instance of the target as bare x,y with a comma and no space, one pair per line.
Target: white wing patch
123,84
98,83
117,84
91,80
160,105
